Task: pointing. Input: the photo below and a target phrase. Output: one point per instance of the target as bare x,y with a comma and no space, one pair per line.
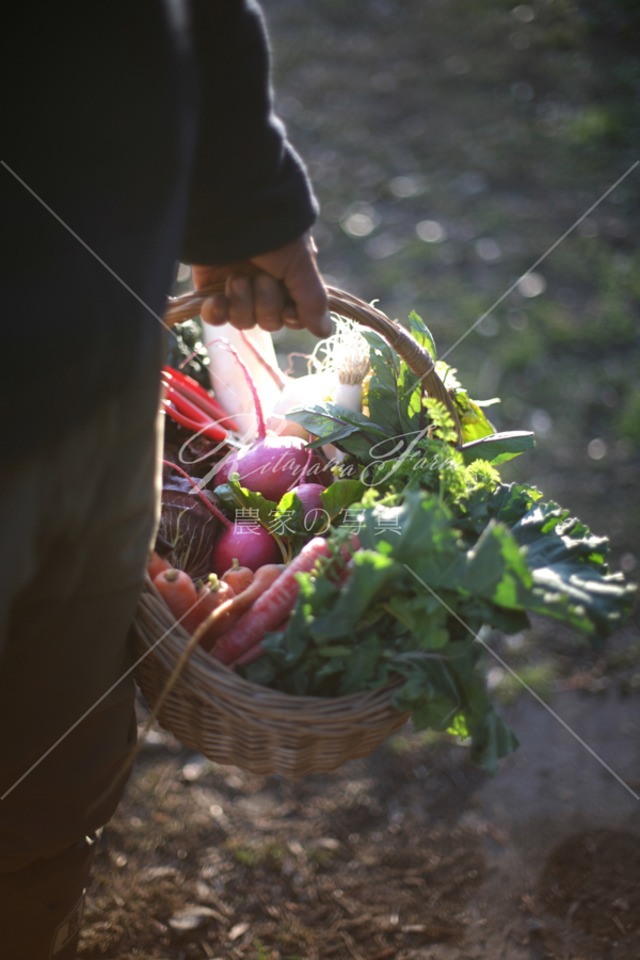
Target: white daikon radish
229,385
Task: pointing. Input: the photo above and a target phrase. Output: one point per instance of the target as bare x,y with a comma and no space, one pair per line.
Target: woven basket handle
419,360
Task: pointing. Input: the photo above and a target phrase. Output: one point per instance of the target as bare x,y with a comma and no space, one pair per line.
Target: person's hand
281,288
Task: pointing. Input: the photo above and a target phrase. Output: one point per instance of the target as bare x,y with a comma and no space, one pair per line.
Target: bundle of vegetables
400,542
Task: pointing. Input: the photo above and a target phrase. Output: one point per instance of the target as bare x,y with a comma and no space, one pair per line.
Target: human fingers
215,310
296,266
268,302
235,305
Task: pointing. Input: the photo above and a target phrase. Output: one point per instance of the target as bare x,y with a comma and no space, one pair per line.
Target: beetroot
252,546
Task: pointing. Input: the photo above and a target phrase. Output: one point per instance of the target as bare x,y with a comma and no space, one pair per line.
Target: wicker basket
213,710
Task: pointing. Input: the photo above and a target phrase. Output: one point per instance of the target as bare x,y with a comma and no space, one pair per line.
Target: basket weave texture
213,710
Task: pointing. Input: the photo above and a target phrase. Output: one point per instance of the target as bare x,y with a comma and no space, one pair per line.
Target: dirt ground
451,145
411,853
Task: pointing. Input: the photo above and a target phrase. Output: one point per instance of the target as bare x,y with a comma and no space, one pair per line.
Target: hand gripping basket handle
418,359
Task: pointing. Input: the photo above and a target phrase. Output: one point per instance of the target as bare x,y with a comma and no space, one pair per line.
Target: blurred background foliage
474,161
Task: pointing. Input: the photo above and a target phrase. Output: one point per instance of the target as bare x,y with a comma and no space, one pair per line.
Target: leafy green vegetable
331,423
445,549
235,497
498,447
421,333
286,519
340,495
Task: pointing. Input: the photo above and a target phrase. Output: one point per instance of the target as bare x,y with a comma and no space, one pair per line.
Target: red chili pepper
202,428
198,395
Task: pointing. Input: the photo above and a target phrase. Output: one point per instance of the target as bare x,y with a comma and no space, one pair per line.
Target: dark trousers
77,520
42,905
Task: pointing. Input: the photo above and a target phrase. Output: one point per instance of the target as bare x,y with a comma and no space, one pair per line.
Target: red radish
238,578
272,464
271,607
250,544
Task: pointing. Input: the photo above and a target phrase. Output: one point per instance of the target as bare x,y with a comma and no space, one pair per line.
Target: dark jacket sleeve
249,192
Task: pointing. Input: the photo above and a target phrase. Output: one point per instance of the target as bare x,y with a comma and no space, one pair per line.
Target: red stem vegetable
189,404
184,403
212,430
194,392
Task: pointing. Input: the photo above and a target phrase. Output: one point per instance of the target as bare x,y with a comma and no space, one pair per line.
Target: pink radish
271,607
272,464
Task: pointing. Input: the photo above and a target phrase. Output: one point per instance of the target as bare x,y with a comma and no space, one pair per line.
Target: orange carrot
157,564
229,612
211,595
271,607
178,591
239,578
189,605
